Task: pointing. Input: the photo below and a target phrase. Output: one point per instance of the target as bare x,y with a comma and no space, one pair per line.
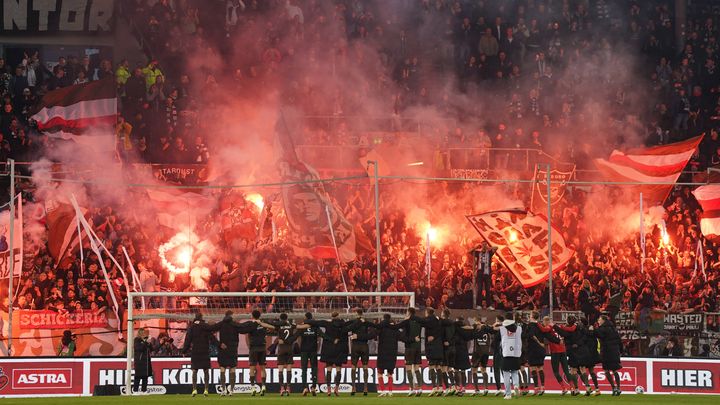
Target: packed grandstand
481,89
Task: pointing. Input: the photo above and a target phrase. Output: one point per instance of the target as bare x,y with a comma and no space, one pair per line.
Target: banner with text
62,320
28,17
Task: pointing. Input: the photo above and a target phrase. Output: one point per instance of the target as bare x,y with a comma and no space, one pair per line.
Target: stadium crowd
536,59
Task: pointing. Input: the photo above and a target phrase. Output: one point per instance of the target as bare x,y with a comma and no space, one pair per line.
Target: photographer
143,368
67,345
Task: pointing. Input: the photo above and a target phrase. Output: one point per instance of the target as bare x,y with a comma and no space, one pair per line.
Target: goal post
182,306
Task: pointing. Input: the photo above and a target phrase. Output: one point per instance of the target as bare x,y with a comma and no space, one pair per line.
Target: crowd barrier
106,376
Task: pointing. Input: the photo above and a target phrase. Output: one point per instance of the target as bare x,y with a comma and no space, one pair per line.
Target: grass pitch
398,399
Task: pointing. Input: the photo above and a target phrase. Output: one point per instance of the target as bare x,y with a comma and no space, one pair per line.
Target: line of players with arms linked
573,349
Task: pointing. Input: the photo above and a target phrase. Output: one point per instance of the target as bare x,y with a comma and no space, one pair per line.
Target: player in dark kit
448,363
197,341
286,337
359,349
536,352
609,351
434,348
257,333
228,352
497,356
593,356
524,373
413,351
309,353
482,336
334,351
388,337
463,334
578,353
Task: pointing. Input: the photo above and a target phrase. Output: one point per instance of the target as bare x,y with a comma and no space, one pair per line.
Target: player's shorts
480,360
257,356
449,356
359,351
435,354
285,355
412,356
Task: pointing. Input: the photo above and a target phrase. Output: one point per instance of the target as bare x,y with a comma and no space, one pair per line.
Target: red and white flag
709,198
654,166
522,241
78,108
63,237
17,253
179,209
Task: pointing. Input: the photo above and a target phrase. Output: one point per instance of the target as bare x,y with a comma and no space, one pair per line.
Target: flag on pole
61,222
709,198
560,174
658,164
522,241
304,199
83,113
179,209
17,254
75,109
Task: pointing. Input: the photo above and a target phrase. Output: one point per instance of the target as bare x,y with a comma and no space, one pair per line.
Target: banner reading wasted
57,320
522,241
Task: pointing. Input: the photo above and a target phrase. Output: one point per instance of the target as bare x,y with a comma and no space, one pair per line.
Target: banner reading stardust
56,377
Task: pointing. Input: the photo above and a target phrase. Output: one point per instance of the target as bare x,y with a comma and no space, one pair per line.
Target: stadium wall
33,377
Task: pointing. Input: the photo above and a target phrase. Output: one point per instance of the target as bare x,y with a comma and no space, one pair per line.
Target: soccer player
228,352
524,374
198,339
481,354
577,350
413,351
257,332
558,355
609,351
448,362
286,337
511,343
388,337
593,356
359,349
463,334
497,355
536,352
334,351
434,348
309,353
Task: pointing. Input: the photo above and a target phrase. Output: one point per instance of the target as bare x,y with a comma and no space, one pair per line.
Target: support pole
11,256
549,222
642,236
377,226
130,345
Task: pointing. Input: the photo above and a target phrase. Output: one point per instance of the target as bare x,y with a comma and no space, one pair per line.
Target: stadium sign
46,319
23,17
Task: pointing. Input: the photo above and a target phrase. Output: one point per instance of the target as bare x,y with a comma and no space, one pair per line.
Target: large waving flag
76,109
655,165
522,241
83,113
709,198
318,226
62,226
178,209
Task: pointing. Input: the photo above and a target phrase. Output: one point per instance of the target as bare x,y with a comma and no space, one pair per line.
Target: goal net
168,313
